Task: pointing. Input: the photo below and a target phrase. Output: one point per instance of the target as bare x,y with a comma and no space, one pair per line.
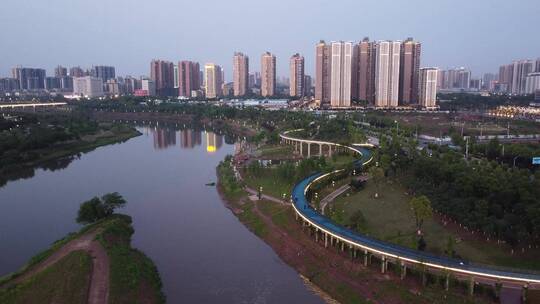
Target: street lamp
260,192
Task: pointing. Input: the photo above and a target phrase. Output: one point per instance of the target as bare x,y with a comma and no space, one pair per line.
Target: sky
128,34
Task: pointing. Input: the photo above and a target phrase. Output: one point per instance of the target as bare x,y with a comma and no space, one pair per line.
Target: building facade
268,74
212,80
104,72
88,87
240,74
409,71
30,78
297,76
322,73
341,77
427,97
162,73
188,78
387,60
366,71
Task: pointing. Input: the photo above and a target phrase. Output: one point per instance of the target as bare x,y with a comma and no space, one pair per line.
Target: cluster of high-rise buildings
93,82
381,74
385,74
520,77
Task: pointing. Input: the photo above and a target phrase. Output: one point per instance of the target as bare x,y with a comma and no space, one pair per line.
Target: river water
203,253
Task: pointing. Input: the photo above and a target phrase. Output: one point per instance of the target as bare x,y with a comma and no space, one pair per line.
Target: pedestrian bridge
403,257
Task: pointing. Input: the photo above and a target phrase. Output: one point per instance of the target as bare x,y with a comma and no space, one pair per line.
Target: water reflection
165,138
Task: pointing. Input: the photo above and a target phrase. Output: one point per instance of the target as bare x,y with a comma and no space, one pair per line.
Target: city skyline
443,48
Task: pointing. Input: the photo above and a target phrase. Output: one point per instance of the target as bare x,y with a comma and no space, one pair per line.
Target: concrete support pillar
300,143
320,150
316,235
424,277
403,270
325,240
366,258
447,282
308,150
330,150
524,292
354,252
342,246
383,264
296,215
471,286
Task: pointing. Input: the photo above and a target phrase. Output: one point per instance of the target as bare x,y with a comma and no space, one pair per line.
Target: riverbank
344,279
95,265
59,155
177,118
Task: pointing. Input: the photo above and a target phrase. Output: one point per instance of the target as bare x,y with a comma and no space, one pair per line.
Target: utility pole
467,149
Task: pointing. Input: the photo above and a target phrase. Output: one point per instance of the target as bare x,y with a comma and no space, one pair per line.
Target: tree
98,208
421,207
377,175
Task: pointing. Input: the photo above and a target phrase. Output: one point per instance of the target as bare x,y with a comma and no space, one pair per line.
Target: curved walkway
401,255
98,292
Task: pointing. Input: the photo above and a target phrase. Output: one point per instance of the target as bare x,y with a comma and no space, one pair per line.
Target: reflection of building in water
213,141
163,138
190,138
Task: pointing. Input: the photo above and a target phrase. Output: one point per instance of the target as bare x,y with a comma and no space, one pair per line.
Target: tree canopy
97,208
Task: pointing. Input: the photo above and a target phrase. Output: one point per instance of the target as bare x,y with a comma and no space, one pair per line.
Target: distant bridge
31,105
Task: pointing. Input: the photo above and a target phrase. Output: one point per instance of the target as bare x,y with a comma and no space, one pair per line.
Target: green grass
275,151
73,271
389,218
133,276
252,220
272,184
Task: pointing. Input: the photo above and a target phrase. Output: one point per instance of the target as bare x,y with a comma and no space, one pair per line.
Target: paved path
332,196
99,281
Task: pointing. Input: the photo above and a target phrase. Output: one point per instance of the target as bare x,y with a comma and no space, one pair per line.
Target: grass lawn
275,151
271,183
389,218
73,270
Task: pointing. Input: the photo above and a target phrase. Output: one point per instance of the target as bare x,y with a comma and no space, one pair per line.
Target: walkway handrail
354,239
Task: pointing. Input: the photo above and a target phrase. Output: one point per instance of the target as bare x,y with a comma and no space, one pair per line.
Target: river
203,253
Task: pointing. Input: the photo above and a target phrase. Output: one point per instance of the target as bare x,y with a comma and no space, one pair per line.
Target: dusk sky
479,34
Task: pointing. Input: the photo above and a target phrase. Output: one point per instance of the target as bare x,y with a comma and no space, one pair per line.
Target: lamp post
260,192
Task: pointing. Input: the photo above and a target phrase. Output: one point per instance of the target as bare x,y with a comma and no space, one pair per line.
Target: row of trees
482,195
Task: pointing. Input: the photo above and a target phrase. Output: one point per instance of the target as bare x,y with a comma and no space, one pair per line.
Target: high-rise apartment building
188,78
409,71
268,74
240,74
521,69
88,87
148,87
103,72
297,76
162,73
387,61
532,83
29,78
427,96
308,85
212,80
505,78
537,65
60,71
462,79
322,73
76,72
366,71
341,76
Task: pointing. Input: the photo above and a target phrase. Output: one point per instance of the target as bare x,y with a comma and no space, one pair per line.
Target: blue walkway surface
302,205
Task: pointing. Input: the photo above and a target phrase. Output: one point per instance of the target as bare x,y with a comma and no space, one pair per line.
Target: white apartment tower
341,58
428,87
212,80
387,60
